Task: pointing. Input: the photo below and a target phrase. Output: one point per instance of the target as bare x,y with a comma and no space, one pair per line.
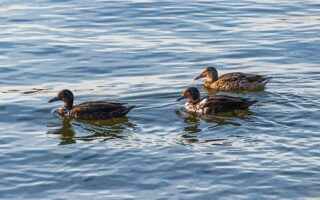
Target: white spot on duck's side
202,103
190,107
199,107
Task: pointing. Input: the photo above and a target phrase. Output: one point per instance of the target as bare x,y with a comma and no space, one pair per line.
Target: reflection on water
191,139
145,53
193,125
73,130
193,120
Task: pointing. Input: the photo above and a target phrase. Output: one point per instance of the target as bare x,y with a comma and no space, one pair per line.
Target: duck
93,110
213,104
232,81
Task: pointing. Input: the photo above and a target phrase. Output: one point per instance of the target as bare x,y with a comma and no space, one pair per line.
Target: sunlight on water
145,53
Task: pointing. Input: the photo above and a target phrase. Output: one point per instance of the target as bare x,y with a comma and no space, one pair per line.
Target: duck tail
127,109
249,103
266,80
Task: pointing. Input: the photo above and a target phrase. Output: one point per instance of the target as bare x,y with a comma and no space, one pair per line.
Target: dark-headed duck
213,104
232,81
89,110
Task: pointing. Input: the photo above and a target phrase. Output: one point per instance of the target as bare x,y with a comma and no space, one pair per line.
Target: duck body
96,110
93,110
233,81
238,81
218,104
213,104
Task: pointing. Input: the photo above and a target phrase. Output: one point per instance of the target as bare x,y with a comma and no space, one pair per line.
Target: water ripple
146,53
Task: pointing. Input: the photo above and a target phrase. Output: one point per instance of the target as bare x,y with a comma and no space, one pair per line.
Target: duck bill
198,77
180,98
53,100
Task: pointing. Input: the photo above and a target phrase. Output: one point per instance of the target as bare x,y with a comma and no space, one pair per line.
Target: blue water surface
146,52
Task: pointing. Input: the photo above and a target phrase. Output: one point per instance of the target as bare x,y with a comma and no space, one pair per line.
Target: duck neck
194,100
68,105
212,76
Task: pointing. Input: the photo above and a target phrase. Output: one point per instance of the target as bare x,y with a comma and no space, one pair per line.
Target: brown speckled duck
232,81
213,104
89,110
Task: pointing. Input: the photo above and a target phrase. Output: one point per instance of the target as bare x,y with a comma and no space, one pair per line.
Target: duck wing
225,103
231,77
238,76
99,110
94,103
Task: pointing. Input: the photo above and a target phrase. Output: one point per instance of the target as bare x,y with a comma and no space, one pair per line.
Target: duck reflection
194,124
73,130
191,139
192,120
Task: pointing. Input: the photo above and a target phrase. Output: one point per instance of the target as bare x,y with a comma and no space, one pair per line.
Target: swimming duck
232,81
213,104
89,110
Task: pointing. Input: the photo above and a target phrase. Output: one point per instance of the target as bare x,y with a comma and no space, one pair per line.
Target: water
146,53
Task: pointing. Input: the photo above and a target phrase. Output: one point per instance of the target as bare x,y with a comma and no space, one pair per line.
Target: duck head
66,96
210,73
190,93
